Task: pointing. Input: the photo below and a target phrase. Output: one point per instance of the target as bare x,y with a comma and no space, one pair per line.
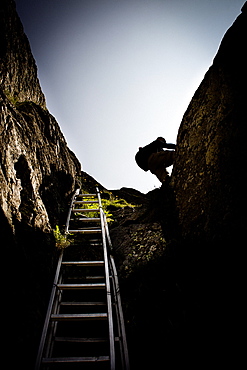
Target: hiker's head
161,139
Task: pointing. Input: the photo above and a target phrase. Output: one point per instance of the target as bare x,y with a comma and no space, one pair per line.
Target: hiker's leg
156,165
169,157
161,173
156,160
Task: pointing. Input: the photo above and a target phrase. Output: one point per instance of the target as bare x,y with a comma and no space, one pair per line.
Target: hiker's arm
170,146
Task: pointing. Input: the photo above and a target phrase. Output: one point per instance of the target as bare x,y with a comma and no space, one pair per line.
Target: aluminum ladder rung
85,201
79,316
59,360
86,195
85,231
89,219
93,277
85,210
83,263
81,340
81,286
83,303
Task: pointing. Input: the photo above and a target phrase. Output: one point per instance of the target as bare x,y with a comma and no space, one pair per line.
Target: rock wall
18,74
209,173
38,171
38,174
208,180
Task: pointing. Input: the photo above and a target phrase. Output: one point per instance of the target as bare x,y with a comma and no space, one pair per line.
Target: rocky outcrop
18,71
38,171
38,174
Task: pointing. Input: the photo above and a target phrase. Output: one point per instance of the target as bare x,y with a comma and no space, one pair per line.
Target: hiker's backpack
141,158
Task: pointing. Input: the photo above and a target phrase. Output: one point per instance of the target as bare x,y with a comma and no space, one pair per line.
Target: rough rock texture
136,232
18,74
38,170
209,173
145,255
209,183
38,174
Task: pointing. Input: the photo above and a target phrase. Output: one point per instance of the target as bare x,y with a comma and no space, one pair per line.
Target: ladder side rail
120,317
57,296
48,314
117,299
107,233
109,306
118,305
51,333
70,210
108,287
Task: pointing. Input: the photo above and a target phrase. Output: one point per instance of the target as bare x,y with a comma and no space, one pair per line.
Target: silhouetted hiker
152,157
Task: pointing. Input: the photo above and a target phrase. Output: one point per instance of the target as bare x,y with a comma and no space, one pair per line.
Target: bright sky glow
119,73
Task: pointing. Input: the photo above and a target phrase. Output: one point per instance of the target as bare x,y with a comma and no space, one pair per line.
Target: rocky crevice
178,248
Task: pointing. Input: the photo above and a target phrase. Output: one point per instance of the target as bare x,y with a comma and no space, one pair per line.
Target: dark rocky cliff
209,173
38,175
208,180
18,73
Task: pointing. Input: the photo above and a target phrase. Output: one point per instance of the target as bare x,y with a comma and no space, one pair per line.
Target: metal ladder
84,322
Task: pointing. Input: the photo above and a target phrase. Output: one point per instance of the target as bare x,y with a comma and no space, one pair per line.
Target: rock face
38,174
38,171
208,180
209,173
36,163
18,74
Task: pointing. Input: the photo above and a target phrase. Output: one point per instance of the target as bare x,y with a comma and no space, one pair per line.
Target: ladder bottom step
60,360
81,286
83,263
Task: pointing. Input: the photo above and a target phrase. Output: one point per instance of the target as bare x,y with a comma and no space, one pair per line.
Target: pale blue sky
119,73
